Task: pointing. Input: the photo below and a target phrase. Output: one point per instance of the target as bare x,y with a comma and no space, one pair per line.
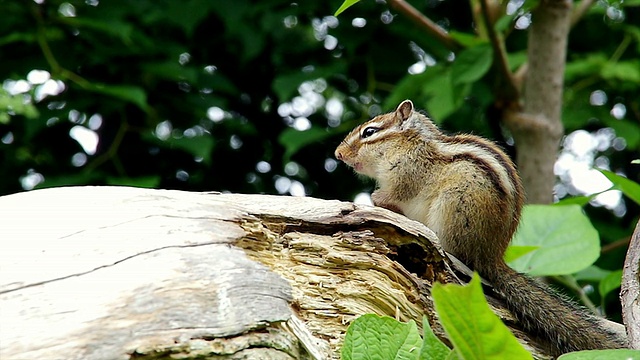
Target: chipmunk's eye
369,131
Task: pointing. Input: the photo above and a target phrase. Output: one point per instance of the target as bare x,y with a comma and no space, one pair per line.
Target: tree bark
537,128
630,290
122,273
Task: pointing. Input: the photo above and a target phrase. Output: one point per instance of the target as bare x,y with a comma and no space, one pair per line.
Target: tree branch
508,87
580,10
578,13
630,290
624,242
572,284
424,23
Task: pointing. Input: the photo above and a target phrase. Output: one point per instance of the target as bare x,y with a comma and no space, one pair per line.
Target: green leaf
17,105
622,70
345,5
567,240
442,93
628,187
132,94
293,140
189,14
516,59
466,39
618,354
584,67
610,283
432,347
471,64
629,130
381,337
199,146
172,70
432,90
515,251
504,22
592,273
475,331
454,356
119,29
576,200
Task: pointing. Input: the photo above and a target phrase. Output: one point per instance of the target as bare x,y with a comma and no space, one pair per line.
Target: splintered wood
124,273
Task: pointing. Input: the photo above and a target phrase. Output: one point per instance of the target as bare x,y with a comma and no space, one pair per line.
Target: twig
615,245
425,23
621,48
580,10
56,68
111,152
42,40
510,92
571,283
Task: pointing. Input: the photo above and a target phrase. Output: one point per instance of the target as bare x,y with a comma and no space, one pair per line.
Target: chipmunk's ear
404,110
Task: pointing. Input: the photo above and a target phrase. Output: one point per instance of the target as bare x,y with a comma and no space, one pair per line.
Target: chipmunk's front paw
381,199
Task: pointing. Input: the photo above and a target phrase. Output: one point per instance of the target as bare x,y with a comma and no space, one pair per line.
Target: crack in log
38,283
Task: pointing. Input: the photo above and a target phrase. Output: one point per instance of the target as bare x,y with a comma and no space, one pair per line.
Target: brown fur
467,190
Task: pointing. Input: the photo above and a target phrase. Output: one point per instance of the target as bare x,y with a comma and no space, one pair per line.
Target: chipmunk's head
370,147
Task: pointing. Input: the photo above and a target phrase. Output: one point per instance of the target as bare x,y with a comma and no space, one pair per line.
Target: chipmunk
467,190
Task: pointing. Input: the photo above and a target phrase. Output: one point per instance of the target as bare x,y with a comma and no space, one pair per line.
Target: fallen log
129,273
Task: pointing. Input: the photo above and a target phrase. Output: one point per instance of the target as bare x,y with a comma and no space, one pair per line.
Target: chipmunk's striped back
467,190
411,127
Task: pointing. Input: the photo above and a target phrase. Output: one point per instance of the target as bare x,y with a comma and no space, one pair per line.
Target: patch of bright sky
578,158
296,112
87,138
424,59
285,185
363,198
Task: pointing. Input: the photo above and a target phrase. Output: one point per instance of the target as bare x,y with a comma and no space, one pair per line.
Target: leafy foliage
381,337
602,355
475,331
566,240
432,347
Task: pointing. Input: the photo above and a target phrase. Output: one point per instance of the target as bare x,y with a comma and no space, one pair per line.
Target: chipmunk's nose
338,154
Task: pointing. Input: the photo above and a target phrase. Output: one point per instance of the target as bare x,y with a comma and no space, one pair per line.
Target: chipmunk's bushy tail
541,311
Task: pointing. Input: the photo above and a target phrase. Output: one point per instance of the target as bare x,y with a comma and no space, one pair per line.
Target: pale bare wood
101,273
107,272
630,290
